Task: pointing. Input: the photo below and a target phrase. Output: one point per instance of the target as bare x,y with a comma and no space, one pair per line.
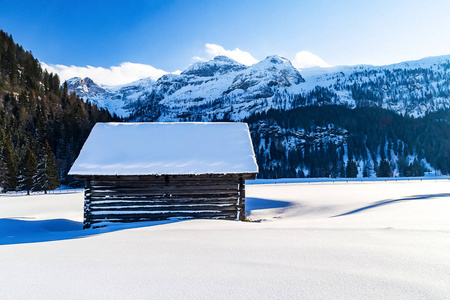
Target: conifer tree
11,166
384,170
367,170
3,176
27,171
352,170
417,169
46,177
3,167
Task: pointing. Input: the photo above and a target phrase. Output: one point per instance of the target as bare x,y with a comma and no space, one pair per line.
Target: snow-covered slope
217,87
116,99
313,241
412,88
223,88
234,90
218,66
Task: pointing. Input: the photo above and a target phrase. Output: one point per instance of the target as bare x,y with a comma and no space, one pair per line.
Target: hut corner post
241,200
87,205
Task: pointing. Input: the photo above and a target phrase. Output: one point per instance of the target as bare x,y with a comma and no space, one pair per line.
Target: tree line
336,141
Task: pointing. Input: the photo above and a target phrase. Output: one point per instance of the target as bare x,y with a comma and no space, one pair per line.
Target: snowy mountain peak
74,80
276,59
84,87
88,81
276,70
225,59
217,66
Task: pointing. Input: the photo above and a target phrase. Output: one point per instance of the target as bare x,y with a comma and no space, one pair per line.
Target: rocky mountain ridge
225,89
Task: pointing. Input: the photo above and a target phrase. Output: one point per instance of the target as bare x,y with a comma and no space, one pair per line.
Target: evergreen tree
384,170
367,170
352,170
402,167
27,171
46,177
3,176
3,166
416,169
11,167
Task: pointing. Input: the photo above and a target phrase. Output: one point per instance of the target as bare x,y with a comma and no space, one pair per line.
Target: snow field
371,240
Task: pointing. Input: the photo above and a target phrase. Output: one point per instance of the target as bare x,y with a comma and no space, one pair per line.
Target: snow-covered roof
166,148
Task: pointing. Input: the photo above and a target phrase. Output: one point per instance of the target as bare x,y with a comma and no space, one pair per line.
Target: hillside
42,127
336,141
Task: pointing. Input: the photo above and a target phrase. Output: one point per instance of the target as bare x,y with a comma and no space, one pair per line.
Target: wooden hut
157,171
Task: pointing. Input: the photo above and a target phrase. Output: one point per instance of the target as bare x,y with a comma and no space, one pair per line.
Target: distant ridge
223,88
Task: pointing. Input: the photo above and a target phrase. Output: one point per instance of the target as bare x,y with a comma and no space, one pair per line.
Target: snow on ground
370,240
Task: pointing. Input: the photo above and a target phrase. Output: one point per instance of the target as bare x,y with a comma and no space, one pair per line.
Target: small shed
158,171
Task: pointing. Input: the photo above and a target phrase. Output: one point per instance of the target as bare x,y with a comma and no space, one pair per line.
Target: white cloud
198,58
306,59
128,72
125,73
237,54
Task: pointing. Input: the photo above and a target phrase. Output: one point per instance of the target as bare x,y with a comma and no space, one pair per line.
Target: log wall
151,198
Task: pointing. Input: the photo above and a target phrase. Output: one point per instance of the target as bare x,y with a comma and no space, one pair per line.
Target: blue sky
169,34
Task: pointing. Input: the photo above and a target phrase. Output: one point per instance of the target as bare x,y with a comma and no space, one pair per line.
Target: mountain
223,88
218,66
217,88
116,99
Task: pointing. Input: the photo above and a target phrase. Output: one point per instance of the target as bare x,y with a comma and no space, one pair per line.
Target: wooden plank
163,204
160,216
133,183
165,189
221,185
166,206
185,207
87,205
160,202
167,193
241,200
167,186
248,176
211,198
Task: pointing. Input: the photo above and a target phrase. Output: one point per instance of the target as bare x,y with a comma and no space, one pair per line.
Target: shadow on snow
20,231
26,230
260,203
390,201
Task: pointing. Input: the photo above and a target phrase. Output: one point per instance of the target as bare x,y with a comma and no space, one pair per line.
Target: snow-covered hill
223,88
